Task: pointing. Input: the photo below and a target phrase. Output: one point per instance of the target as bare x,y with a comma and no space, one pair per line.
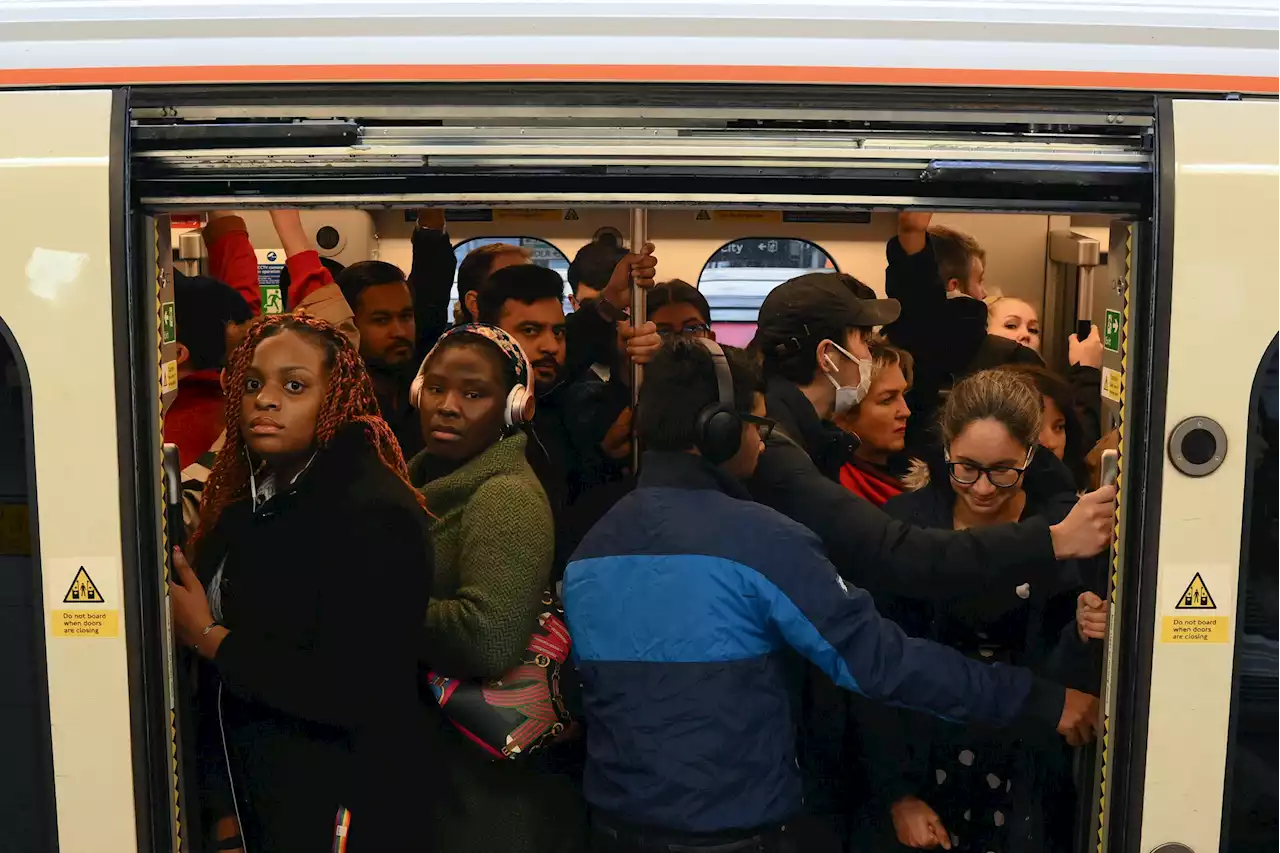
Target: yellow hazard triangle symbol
1196,597
82,590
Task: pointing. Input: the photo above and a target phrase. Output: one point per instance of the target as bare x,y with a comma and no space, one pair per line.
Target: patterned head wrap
506,344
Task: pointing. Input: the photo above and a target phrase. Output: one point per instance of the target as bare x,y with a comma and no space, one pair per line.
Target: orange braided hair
349,398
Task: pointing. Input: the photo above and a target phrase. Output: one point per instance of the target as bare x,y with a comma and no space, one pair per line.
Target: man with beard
526,301
382,303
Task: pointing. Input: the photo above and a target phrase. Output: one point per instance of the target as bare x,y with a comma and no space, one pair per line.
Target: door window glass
739,275
541,253
1250,811
26,780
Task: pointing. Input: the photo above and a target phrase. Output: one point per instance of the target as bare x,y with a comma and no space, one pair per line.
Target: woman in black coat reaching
963,787
316,555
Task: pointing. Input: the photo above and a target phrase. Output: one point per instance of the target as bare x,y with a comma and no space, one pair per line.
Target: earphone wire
231,781
253,483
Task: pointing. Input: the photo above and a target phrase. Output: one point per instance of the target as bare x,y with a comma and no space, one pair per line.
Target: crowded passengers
432,602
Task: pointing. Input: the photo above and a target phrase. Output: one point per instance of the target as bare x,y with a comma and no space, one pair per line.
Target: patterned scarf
506,344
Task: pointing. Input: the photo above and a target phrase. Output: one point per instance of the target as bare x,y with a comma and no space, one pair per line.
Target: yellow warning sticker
1111,384
82,590
770,216
522,214
1196,629
1196,596
85,624
1194,622
89,610
169,377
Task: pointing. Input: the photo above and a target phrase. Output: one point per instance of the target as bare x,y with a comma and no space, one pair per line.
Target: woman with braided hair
317,560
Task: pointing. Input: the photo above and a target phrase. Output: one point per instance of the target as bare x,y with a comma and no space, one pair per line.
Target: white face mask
848,396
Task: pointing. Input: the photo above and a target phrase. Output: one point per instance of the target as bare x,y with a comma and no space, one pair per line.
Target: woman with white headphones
494,641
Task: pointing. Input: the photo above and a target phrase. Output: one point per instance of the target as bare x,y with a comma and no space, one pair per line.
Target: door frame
1178,691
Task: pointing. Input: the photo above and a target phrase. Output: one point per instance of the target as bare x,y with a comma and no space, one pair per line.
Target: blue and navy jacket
683,604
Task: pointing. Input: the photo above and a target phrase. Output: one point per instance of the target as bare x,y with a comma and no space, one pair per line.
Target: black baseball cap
801,308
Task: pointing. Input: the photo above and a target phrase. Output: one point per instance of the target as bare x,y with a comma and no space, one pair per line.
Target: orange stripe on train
764,74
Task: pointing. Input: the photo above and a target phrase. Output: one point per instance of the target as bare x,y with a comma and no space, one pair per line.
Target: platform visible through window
739,275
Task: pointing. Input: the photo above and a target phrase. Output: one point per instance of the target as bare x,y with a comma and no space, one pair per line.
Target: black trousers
610,837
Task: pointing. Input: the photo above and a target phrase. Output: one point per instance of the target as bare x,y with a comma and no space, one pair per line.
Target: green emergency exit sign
272,300
1111,331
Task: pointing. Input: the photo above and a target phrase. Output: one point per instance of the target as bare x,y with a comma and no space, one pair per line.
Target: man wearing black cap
811,335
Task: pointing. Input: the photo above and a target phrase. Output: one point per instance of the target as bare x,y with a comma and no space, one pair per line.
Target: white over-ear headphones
520,401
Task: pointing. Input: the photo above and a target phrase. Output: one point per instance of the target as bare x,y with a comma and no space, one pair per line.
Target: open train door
88,734
62,168
1214,316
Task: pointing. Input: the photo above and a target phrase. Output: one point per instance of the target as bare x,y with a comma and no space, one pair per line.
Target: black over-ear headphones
719,426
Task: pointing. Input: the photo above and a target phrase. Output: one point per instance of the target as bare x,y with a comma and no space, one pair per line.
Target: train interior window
1250,811
25,794
733,260
741,273
540,252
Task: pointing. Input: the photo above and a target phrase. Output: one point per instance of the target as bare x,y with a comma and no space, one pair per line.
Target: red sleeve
231,258
196,418
306,275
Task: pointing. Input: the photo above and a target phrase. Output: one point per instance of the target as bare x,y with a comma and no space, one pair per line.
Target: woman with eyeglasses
678,308
962,787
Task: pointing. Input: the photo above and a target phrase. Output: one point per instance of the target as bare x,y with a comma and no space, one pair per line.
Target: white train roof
1180,45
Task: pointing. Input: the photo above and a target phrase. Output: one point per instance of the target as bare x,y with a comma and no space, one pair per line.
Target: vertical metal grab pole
639,235
1084,301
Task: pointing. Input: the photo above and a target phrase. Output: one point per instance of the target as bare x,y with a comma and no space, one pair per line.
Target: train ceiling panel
523,146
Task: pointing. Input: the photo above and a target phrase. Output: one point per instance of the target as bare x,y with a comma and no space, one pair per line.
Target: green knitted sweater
494,540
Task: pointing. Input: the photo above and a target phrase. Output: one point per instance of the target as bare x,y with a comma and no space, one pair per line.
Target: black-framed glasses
695,330
764,426
1000,476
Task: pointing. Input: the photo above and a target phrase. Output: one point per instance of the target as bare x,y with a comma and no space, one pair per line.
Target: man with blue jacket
684,604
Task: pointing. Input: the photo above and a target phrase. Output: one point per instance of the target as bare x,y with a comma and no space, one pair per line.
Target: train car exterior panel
57,303
1169,45
1225,222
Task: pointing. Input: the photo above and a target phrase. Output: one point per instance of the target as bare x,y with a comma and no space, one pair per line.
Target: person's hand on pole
1086,353
1088,528
1091,617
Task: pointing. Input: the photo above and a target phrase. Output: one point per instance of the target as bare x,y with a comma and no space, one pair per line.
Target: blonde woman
876,469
